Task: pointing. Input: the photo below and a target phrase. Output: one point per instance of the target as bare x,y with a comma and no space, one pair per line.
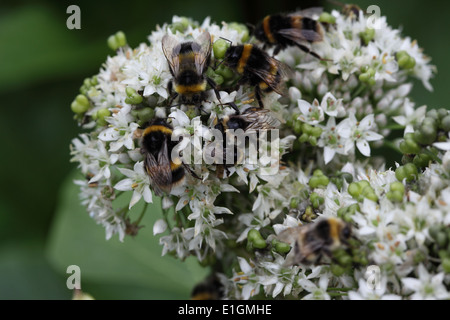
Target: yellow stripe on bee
186,56
174,166
334,229
263,85
193,88
267,32
297,22
159,128
244,57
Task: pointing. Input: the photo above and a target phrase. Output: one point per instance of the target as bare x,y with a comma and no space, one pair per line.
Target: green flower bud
397,186
411,172
101,115
146,114
337,270
225,72
312,140
259,243
409,146
367,35
354,189
220,46
281,247
422,160
117,40
316,132
293,204
371,196
309,215
241,28
80,104
441,239
445,123
325,17
446,265
298,130
253,234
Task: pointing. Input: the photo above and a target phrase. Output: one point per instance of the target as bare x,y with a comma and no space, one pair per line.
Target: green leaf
75,239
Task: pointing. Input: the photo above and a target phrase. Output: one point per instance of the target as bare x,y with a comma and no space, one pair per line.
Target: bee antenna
251,27
222,61
231,43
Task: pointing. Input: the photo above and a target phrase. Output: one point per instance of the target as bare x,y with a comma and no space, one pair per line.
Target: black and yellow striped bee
314,240
188,62
256,69
210,289
349,10
251,120
294,29
157,146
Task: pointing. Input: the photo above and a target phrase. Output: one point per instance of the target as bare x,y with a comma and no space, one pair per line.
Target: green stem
394,127
138,221
360,89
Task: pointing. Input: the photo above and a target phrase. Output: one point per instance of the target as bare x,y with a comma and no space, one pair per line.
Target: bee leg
234,106
172,94
276,50
191,171
258,97
308,51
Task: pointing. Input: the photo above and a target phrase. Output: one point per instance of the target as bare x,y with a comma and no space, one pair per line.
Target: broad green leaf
75,239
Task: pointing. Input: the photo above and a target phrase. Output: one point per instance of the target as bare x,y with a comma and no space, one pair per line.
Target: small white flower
359,132
365,292
138,181
316,292
426,286
310,113
121,130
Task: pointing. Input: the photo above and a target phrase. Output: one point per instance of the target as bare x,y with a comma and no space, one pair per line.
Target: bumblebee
252,119
210,289
157,145
188,62
315,240
256,68
294,29
349,10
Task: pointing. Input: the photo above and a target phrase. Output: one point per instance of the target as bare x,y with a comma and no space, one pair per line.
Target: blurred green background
43,229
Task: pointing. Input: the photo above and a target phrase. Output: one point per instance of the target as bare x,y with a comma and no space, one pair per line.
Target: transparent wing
260,119
268,77
159,171
171,50
300,35
202,51
312,13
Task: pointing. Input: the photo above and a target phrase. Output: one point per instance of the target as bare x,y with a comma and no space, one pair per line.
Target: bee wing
202,52
159,170
313,12
290,235
269,78
171,48
260,119
300,35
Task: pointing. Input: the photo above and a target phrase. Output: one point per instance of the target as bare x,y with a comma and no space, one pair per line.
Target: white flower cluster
335,111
